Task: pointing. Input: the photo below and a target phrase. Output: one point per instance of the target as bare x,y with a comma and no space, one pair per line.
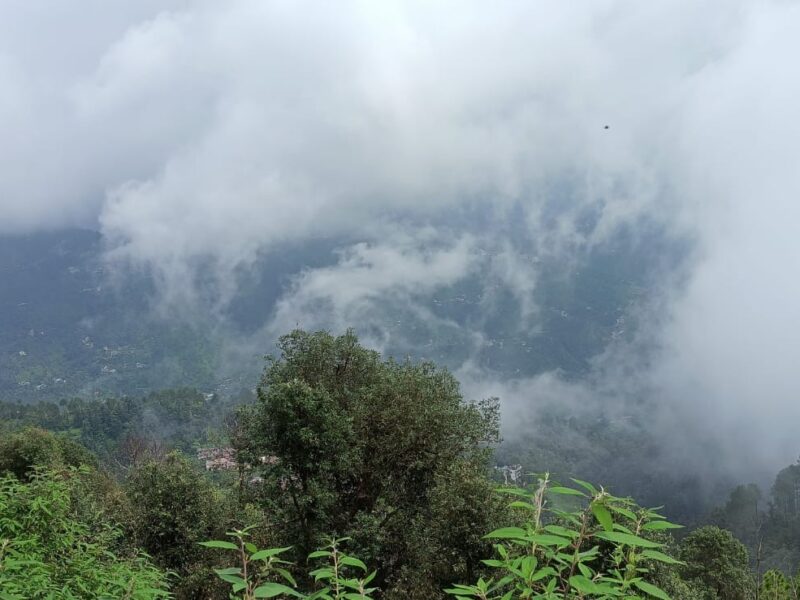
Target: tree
22,452
775,586
173,508
352,445
717,562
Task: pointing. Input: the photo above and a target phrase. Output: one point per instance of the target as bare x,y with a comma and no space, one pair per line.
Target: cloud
368,279
203,138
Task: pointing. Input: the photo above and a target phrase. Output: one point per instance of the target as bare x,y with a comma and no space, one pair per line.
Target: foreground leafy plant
252,579
52,548
337,585
602,548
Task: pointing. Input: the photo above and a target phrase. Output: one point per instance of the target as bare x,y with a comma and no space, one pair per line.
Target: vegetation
344,455
386,454
55,544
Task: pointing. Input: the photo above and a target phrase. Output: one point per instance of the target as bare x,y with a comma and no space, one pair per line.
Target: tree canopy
359,446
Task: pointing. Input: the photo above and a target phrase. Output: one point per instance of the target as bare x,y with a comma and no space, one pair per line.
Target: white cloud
202,136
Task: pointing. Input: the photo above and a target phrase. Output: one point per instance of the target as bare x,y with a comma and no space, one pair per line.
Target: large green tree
717,563
385,452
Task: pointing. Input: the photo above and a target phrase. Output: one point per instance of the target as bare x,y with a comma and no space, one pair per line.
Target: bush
22,452
575,543
50,549
172,507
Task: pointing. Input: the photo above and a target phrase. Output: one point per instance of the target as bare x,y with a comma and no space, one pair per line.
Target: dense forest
346,475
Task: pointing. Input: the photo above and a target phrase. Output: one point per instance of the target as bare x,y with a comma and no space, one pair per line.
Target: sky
203,137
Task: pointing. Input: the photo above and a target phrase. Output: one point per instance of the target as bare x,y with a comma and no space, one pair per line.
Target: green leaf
661,557
542,573
507,533
230,571
270,590
562,531
262,554
521,504
220,544
623,511
626,539
602,515
234,579
548,540
565,491
649,588
287,576
319,554
585,585
659,525
354,562
585,485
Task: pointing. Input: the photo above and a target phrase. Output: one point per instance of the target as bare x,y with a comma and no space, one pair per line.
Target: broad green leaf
585,585
602,515
542,573
262,554
507,533
585,485
548,540
287,576
234,579
557,489
649,588
354,562
562,531
626,539
623,511
220,544
661,557
659,525
270,590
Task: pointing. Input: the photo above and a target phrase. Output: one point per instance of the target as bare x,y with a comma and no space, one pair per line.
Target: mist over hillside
587,209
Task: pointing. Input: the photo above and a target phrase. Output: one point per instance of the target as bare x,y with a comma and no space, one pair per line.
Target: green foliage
576,542
717,562
185,417
21,453
358,446
775,586
172,507
49,548
259,569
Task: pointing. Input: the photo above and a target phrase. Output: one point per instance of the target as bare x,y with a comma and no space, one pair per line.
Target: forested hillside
399,300
384,456
72,324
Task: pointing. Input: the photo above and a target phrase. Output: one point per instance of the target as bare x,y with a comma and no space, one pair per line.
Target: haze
203,137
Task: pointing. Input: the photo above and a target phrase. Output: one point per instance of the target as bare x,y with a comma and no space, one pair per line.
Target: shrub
575,543
50,549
